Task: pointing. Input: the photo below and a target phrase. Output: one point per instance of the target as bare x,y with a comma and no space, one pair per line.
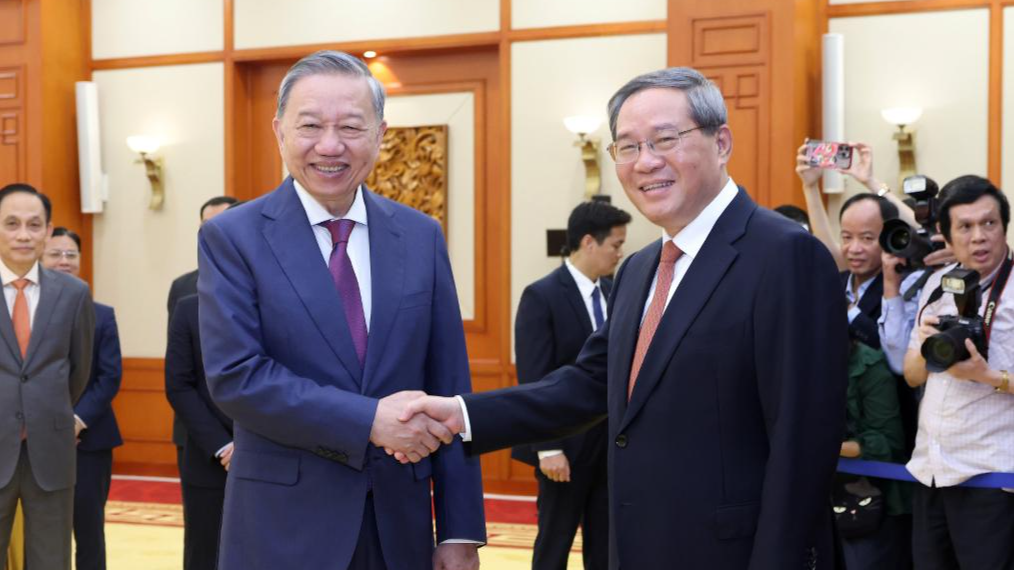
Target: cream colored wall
542,14
1007,149
269,23
901,60
549,81
457,111
128,28
137,252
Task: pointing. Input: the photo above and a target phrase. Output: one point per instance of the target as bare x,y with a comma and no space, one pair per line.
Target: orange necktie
22,323
664,278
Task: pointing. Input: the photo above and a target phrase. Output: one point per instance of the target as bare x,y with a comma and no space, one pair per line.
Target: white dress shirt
689,240
965,428
32,291
854,300
358,248
585,288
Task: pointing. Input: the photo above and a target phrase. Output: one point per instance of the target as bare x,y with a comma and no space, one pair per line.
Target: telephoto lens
947,347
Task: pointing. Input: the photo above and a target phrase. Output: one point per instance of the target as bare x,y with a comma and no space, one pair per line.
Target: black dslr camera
947,347
902,240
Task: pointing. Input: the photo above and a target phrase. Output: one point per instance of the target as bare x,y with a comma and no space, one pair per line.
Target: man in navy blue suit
322,306
208,450
94,420
721,367
556,315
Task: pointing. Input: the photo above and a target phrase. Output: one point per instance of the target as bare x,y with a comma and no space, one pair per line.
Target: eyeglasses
625,151
68,254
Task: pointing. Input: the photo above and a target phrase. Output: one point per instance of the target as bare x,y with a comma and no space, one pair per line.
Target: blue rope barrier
899,472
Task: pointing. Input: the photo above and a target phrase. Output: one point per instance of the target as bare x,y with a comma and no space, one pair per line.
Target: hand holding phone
822,154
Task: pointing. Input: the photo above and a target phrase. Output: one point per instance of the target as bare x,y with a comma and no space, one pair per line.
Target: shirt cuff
467,434
77,419
222,449
462,541
853,313
549,453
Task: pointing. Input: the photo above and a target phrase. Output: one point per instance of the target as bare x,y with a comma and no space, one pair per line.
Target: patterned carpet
144,521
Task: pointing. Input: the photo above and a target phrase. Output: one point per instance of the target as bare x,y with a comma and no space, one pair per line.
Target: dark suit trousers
48,517
562,507
95,469
202,525
959,527
368,554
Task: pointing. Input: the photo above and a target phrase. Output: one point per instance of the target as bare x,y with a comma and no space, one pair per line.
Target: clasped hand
410,425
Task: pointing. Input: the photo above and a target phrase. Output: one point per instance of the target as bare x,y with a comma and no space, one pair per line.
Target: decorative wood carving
413,169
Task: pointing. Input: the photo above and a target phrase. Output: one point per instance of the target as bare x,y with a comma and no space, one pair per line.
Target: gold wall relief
412,168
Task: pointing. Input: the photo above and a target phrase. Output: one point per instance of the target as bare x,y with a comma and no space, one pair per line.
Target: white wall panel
1007,149
137,252
542,14
457,111
268,23
130,28
901,60
549,81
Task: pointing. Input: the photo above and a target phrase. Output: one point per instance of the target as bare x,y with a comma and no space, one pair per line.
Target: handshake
411,425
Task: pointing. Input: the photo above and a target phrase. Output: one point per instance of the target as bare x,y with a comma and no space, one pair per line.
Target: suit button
24,378
621,441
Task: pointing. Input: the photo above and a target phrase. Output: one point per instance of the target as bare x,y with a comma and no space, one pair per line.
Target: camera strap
996,288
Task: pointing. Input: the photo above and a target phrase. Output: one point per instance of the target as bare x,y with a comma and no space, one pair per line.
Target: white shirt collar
585,285
690,239
317,214
9,276
861,289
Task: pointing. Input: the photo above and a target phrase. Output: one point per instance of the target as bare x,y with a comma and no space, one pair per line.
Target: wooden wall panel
146,420
12,21
12,146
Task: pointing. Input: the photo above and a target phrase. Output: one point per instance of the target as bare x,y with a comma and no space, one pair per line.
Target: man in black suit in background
183,286
209,446
555,316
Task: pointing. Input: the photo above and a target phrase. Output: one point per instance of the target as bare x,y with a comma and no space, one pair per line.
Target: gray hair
708,110
330,62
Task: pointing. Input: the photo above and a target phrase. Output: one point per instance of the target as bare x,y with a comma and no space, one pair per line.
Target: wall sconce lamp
902,117
146,146
582,126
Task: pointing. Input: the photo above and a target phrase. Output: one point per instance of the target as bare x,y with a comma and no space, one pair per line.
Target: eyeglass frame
68,254
612,147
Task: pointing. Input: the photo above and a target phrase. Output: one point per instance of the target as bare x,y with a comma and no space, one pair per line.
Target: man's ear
587,241
724,143
276,126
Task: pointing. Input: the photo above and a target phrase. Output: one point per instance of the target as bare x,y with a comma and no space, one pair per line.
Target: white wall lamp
903,117
582,126
146,146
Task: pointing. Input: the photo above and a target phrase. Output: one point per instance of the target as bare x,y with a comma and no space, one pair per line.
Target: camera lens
899,239
946,348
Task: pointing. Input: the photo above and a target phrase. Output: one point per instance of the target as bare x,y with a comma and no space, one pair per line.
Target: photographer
965,424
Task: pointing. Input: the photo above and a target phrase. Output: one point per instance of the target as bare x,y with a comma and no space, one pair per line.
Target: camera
947,347
902,240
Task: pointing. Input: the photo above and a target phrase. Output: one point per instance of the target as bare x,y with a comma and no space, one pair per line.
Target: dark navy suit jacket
551,328
95,407
280,362
725,454
208,429
864,327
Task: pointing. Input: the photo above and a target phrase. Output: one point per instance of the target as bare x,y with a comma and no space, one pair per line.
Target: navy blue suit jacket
551,328
864,327
280,362
208,429
95,407
726,451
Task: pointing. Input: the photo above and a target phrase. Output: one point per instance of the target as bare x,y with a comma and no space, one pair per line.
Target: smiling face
329,137
23,231
62,255
671,190
978,235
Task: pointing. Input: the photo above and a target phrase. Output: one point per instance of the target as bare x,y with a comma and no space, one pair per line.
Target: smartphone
829,154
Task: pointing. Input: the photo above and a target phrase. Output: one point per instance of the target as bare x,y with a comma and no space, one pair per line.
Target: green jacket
873,420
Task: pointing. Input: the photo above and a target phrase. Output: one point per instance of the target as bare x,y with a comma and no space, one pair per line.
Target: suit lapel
292,241
387,276
49,296
625,321
574,298
7,332
871,300
702,277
